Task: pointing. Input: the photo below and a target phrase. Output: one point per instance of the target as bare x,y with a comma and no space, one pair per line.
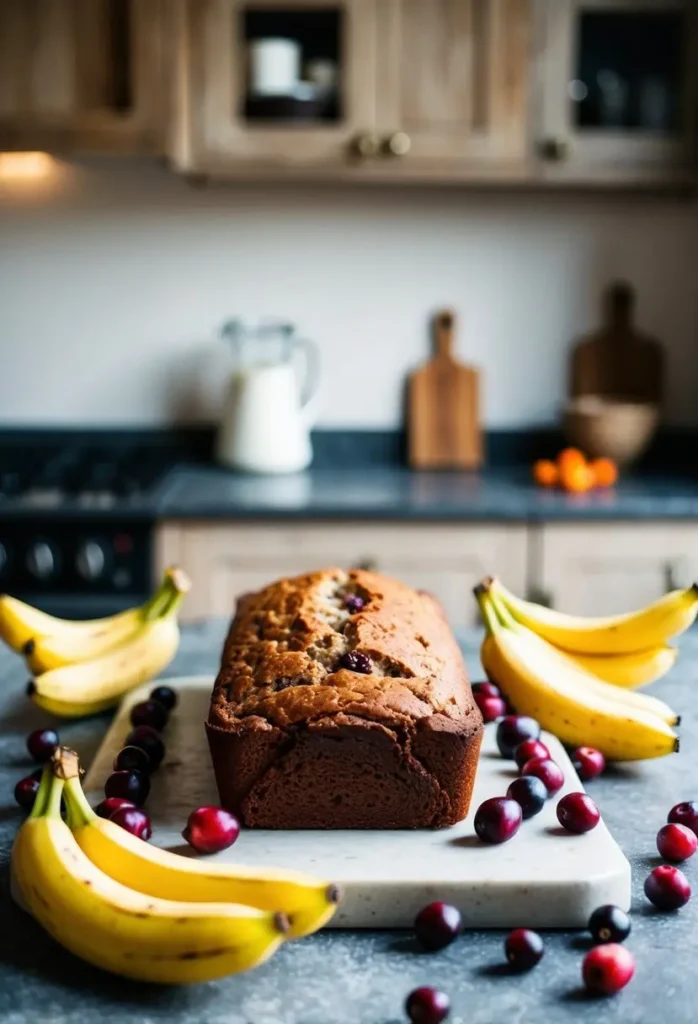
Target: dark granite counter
363,977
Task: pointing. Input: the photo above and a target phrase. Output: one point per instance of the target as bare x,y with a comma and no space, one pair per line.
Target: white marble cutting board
542,878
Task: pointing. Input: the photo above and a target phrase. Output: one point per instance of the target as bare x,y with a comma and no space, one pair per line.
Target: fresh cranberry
357,661
667,887
354,604
437,925
164,695
41,743
513,730
498,819
549,773
427,1006
588,763
26,790
578,813
134,820
486,689
609,924
530,794
132,759
529,749
491,708
133,786
523,949
148,739
111,804
607,969
150,712
211,829
676,842
686,814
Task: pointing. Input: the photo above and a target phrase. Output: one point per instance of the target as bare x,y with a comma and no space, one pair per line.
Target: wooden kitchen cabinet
80,75
227,559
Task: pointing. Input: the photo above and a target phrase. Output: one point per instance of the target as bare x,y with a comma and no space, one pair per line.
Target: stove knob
90,560
41,560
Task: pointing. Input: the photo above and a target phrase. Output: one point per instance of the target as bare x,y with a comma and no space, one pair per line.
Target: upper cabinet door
268,86
617,90
454,87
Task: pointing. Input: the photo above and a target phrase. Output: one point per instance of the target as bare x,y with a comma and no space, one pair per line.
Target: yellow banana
308,902
123,931
539,683
629,671
20,623
635,631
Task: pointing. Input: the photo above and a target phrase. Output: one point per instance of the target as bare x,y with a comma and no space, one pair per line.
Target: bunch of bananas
80,668
146,913
577,676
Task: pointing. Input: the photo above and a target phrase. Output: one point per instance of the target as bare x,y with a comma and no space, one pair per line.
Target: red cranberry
676,842
357,661
609,924
578,813
549,773
354,604
667,888
491,708
41,743
164,695
513,730
530,793
150,712
607,969
686,814
211,829
26,790
148,739
437,925
111,804
498,819
132,759
134,820
524,949
427,1006
133,786
588,763
529,749
486,689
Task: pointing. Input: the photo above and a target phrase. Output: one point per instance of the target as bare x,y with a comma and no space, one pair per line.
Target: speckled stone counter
363,977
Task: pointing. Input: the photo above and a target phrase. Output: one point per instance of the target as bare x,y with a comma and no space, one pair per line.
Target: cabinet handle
367,564
676,574
367,144
554,150
397,144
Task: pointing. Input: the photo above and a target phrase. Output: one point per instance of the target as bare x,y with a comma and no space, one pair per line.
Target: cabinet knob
554,149
398,144
367,144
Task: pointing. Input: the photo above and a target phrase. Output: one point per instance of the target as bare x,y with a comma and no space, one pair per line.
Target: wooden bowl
604,427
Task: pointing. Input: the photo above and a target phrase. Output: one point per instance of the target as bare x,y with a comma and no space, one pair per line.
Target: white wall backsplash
114,281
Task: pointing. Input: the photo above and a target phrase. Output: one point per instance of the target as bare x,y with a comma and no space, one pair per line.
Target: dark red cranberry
134,820
354,604
147,738
607,969
357,661
498,819
524,949
578,813
676,842
529,749
211,829
529,793
150,712
437,925
486,689
132,759
513,730
427,1006
686,814
491,708
588,763
133,786
26,790
609,924
549,773
41,743
112,804
667,887
164,695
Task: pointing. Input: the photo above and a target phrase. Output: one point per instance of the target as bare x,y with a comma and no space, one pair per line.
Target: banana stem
175,584
41,799
503,613
79,811
55,792
491,621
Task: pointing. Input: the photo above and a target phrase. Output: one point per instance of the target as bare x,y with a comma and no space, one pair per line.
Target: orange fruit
576,477
570,457
605,472
545,473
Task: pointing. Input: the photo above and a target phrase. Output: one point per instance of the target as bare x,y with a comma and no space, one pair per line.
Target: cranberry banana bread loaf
343,702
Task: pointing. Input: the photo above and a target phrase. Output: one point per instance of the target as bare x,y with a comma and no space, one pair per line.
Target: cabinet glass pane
629,71
294,64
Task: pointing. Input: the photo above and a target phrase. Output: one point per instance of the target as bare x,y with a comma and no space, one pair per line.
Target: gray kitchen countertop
363,977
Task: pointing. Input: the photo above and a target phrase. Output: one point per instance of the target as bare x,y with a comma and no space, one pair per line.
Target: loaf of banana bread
342,701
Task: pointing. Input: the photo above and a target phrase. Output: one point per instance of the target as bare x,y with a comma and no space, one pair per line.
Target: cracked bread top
283,656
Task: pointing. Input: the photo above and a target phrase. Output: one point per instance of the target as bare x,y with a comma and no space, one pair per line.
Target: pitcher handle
311,357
